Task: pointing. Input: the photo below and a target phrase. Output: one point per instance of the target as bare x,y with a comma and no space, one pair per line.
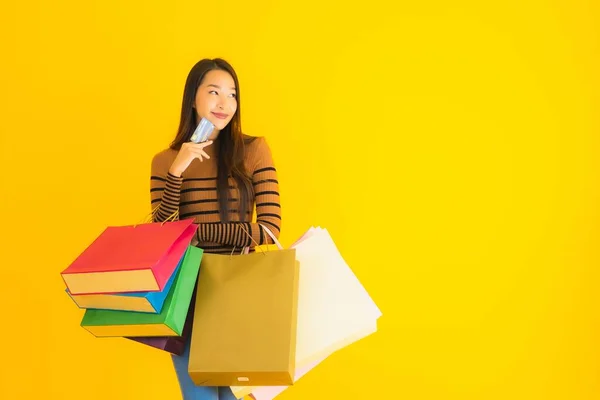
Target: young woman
218,182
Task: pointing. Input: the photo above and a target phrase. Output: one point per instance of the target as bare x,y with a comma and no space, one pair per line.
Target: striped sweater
194,195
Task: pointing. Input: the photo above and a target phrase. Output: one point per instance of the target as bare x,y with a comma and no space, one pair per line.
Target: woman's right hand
188,152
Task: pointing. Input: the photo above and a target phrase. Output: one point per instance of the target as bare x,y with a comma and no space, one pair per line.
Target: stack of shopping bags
137,282
254,321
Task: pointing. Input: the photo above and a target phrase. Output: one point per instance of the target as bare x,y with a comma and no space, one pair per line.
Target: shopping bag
334,309
134,258
245,317
332,303
150,302
169,322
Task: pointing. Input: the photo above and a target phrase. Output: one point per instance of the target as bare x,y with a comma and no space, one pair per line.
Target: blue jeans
189,390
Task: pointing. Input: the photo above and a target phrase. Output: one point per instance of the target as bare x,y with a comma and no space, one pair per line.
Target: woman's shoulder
163,159
255,144
258,152
248,139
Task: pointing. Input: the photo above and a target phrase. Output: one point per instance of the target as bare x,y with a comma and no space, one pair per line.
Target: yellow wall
449,147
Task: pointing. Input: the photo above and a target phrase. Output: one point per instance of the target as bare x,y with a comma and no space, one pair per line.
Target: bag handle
279,246
246,249
149,218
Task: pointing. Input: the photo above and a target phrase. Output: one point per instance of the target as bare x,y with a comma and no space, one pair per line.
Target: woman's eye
233,95
213,92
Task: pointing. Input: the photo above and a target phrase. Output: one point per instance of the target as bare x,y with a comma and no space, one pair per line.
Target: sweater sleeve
268,207
165,190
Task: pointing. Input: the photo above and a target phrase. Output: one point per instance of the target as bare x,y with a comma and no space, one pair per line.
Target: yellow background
451,148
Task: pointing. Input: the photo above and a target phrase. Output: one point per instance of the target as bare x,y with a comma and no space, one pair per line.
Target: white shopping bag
334,309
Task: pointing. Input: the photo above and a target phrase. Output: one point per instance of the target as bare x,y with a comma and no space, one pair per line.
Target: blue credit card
203,131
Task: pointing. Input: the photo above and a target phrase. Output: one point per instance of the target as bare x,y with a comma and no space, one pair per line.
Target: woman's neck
214,135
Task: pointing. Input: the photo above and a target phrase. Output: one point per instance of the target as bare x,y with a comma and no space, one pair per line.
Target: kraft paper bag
244,327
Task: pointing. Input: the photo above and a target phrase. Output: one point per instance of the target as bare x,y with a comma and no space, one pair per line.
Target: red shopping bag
134,258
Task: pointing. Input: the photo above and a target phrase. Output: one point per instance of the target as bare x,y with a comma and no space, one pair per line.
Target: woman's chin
220,125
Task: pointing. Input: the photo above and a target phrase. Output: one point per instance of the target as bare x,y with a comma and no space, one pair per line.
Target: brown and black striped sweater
194,194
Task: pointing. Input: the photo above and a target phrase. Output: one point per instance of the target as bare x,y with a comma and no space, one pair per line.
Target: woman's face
216,98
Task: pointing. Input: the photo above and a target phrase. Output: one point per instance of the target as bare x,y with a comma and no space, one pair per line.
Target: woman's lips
219,115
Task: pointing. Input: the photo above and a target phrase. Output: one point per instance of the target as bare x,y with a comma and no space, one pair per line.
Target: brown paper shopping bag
245,319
